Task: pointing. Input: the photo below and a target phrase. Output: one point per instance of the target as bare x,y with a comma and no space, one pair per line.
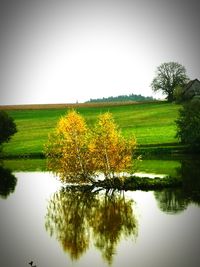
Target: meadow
151,123
155,166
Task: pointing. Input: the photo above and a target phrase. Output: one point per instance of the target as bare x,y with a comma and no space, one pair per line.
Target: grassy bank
151,123
152,166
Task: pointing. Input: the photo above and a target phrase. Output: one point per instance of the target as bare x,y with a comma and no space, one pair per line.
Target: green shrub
188,124
7,127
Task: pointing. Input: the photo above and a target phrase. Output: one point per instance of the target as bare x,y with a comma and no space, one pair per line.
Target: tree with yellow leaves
77,153
112,153
67,149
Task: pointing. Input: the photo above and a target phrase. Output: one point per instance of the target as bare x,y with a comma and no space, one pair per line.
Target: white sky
68,51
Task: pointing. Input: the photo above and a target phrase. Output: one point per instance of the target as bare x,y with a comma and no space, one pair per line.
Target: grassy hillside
151,123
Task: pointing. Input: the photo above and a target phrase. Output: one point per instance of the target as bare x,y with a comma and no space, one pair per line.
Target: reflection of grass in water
168,167
26,164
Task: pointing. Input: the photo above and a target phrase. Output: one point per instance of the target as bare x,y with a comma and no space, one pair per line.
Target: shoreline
146,151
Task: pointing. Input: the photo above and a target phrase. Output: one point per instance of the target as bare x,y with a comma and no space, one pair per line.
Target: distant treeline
122,98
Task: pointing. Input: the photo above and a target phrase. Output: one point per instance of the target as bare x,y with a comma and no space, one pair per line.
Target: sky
66,51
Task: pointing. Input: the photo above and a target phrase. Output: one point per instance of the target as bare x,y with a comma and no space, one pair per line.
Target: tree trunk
170,97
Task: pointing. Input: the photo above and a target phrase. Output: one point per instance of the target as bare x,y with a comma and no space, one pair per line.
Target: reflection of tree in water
74,214
7,182
176,200
190,172
67,218
171,200
112,218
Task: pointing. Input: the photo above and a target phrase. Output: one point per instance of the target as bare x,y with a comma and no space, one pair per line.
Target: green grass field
151,123
156,166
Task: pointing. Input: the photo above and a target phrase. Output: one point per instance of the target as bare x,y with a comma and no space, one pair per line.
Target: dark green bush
7,127
188,124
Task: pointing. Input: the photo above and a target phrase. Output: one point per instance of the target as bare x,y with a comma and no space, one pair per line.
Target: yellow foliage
76,153
113,154
67,149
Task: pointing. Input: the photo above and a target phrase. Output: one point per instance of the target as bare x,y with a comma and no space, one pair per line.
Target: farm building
192,89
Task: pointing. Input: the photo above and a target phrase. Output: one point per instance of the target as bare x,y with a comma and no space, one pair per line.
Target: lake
52,225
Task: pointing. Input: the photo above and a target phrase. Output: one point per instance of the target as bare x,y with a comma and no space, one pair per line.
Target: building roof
189,85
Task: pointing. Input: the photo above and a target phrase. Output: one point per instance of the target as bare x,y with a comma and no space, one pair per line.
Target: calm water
54,226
